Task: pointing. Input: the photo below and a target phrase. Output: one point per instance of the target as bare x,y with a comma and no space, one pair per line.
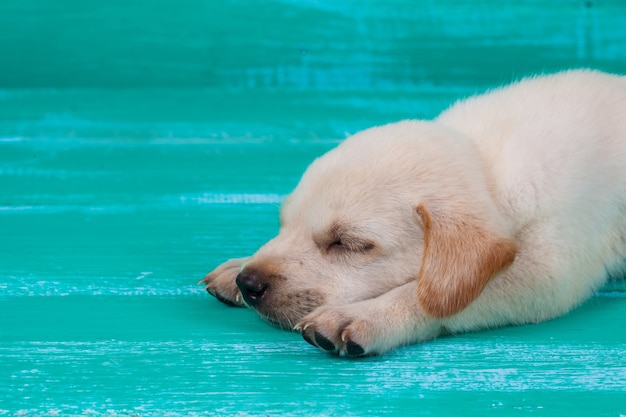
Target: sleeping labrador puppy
508,208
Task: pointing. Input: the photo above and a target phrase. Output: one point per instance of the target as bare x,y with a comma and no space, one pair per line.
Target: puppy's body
508,208
555,151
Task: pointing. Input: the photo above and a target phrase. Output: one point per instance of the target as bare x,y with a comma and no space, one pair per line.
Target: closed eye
350,244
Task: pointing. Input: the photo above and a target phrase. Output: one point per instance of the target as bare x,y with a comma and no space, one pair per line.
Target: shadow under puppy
508,208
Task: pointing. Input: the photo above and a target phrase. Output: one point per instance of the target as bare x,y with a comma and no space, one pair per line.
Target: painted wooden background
142,142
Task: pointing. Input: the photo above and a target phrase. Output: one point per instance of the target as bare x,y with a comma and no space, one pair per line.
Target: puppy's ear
460,256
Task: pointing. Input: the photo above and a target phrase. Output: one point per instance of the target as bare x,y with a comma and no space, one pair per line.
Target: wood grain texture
144,142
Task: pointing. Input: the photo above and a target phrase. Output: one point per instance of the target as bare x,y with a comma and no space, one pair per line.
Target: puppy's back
549,141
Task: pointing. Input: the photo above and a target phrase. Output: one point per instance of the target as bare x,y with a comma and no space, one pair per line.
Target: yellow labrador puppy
508,208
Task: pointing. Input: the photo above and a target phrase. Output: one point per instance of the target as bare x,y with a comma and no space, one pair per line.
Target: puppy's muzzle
253,287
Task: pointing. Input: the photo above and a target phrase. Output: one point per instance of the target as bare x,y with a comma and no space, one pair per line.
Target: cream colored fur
508,208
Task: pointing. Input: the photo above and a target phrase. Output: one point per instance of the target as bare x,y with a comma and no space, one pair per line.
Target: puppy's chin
281,321
287,310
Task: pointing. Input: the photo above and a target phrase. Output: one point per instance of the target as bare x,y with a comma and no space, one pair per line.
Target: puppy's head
388,205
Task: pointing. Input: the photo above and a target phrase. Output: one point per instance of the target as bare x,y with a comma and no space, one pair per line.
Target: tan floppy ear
460,257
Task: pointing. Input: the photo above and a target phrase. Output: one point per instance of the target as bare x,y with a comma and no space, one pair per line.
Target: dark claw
223,300
323,342
306,337
354,349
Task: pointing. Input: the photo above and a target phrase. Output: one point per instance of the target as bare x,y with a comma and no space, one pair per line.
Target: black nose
253,287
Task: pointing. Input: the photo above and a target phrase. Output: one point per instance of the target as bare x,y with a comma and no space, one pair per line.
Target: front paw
220,282
340,331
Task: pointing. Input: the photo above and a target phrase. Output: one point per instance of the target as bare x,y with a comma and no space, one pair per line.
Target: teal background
144,142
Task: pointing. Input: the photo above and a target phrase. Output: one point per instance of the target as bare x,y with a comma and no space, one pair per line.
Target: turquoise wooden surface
144,142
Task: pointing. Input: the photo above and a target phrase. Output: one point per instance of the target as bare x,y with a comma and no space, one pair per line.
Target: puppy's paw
340,330
220,282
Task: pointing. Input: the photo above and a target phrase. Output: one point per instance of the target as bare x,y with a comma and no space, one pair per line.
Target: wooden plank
142,143
321,44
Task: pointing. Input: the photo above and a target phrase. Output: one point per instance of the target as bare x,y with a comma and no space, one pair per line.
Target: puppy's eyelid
351,244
